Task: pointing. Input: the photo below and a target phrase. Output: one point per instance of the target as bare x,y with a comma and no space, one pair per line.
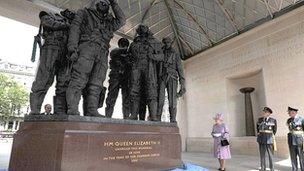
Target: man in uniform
52,60
295,138
90,35
266,129
171,73
146,52
120,74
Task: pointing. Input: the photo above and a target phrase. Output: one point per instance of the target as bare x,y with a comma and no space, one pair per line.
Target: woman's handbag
224,142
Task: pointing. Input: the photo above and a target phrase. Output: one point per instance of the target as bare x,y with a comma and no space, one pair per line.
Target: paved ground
237,163
5,150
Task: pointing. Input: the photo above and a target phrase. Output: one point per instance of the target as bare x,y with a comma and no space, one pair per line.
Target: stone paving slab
237,163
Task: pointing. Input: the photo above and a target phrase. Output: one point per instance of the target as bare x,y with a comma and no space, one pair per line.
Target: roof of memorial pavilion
195,25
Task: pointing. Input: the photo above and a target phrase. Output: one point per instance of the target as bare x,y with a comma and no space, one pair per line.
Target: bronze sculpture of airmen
63,75
120,74
146,52
90,35
52,61
171,73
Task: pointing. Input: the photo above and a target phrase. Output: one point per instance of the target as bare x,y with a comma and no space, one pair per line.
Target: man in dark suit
266,129
295,138
47,110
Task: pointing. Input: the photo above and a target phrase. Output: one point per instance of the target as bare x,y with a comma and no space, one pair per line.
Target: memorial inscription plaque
75,143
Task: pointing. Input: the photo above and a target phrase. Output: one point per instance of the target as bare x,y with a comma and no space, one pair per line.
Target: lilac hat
219,116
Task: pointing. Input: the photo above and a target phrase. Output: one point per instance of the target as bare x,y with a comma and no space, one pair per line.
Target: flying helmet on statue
103,6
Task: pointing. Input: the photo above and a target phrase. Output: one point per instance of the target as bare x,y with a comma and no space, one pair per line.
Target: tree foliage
13,97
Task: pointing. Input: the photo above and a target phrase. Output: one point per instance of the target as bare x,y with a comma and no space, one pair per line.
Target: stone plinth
52,143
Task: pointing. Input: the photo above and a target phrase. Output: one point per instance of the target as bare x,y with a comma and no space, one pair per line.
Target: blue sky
16,41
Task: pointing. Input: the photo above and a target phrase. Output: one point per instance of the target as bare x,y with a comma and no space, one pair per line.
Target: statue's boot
159,113
60,105
126,111
152,104
158,116
109,111
91,107
142,111
133,117
142,116
160,108
172,111
126,115
36,100
73,97
134,110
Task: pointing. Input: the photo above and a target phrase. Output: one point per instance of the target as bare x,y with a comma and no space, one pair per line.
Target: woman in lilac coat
220,131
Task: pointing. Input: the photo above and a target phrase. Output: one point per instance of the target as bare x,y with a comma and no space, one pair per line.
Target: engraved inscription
132,151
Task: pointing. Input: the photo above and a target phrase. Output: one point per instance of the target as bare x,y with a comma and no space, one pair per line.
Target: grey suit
266,129
295,141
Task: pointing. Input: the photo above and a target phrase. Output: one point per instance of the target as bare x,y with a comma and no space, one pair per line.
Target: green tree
13,98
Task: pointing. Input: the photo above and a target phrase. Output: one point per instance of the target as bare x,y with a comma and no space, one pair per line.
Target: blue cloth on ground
191,167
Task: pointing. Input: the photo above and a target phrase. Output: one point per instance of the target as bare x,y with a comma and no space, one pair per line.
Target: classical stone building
23,75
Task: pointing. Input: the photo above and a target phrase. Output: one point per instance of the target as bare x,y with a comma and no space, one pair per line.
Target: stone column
14,126
6,126
250,131
18,125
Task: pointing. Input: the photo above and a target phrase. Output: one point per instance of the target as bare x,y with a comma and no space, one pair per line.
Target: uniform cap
267,109
292,109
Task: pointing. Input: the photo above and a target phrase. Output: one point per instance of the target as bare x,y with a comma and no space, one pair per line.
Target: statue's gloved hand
150,50
150,56
113,2
73,57
181,92
73,54
68,24
72,48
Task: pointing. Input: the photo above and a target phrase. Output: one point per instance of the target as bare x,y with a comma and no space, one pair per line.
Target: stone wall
274,51
238,145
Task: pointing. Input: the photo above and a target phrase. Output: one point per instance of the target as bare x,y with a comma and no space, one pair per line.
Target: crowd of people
266,130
